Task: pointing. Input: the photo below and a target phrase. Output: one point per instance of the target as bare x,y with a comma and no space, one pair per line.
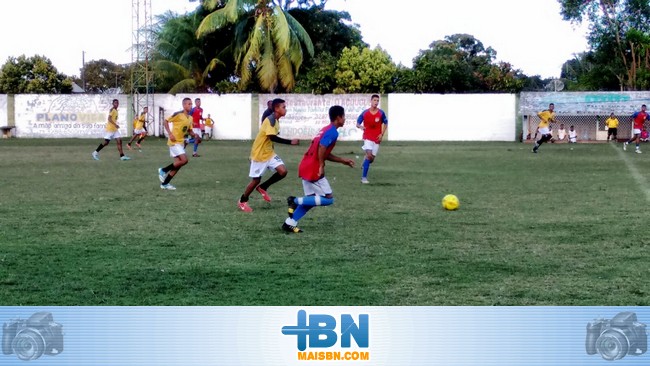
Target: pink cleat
244,206
265,195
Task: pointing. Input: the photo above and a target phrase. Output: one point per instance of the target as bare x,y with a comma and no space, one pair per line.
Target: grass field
562,227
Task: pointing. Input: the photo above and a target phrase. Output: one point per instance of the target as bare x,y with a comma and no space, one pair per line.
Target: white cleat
167,187
637,151
365,181
161,175
95,155
625,146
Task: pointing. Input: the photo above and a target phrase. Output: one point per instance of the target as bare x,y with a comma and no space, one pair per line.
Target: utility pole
83,70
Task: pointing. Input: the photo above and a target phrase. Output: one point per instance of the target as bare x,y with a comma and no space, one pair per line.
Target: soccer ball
450,202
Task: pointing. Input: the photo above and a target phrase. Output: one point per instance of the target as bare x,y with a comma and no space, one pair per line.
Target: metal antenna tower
142,86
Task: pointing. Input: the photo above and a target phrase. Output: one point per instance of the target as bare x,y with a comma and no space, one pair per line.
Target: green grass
563,227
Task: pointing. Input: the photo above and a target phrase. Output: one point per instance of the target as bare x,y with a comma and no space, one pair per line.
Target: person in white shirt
573,135
561,132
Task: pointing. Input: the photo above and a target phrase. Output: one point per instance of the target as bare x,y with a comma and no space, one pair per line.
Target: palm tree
180,59
268,41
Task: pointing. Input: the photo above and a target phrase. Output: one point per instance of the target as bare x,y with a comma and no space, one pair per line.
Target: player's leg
637,140
545,137
95,153
195,153
118,140
243,200
317,193
615,133
280,172
179,162
135,135
369,148
142,137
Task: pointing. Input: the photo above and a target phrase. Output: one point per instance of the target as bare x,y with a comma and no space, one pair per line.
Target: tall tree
32,75
619,29
181,60
101,75
365,71
268,41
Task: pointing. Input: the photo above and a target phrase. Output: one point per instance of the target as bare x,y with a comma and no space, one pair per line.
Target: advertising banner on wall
584,103
307,114
39,115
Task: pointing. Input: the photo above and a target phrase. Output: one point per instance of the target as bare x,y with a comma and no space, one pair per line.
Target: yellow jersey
611,122
208,122
263,146
138,123
181,123
112,116
546,117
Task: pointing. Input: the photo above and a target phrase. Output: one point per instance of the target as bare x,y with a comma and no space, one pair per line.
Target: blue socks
366,166
196,146
306,203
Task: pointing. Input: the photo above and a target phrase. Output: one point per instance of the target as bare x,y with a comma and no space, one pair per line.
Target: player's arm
338,159
169,132
384,126
280,140
114,123
360,121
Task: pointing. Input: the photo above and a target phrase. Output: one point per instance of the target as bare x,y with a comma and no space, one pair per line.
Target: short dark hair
276,102
197,99
551,104
642,105
184,99
374,96
115,100
335,112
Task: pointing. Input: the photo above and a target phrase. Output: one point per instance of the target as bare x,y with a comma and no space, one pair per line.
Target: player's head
374,101
279,107
208,115
643,107
116,103
612,115
197,101
145,110
337,115
551,107
187,104
561,125
571,128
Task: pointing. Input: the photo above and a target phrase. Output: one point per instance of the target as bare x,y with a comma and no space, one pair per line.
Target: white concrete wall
307,114
231,113
39,115
3,110
451,117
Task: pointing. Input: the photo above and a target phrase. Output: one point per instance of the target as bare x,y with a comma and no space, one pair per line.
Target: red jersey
372,123
310,165
197,116
639,120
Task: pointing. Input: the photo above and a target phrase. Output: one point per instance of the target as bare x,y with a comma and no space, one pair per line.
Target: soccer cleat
637,151
244,206
129,146
292,206
167,187
138,145
125,158
291,229
196,155
95,155
625,146
365,180
161,175
265,195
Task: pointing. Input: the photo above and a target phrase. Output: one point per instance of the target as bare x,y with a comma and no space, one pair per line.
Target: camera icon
615,338
31,338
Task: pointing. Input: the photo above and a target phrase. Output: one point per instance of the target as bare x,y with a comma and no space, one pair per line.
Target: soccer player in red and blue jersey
639,119
374,123
197,117
312,171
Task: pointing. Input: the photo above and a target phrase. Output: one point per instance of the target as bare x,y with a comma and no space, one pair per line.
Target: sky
530,34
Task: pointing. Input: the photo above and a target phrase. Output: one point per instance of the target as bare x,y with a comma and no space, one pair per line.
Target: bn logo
321,334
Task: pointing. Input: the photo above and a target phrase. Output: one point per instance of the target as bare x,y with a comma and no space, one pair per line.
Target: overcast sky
530,34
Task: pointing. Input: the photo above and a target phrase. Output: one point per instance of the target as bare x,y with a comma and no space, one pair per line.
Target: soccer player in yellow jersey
263,156
112,132
547,116
139,128
208,127
612,127
181,125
